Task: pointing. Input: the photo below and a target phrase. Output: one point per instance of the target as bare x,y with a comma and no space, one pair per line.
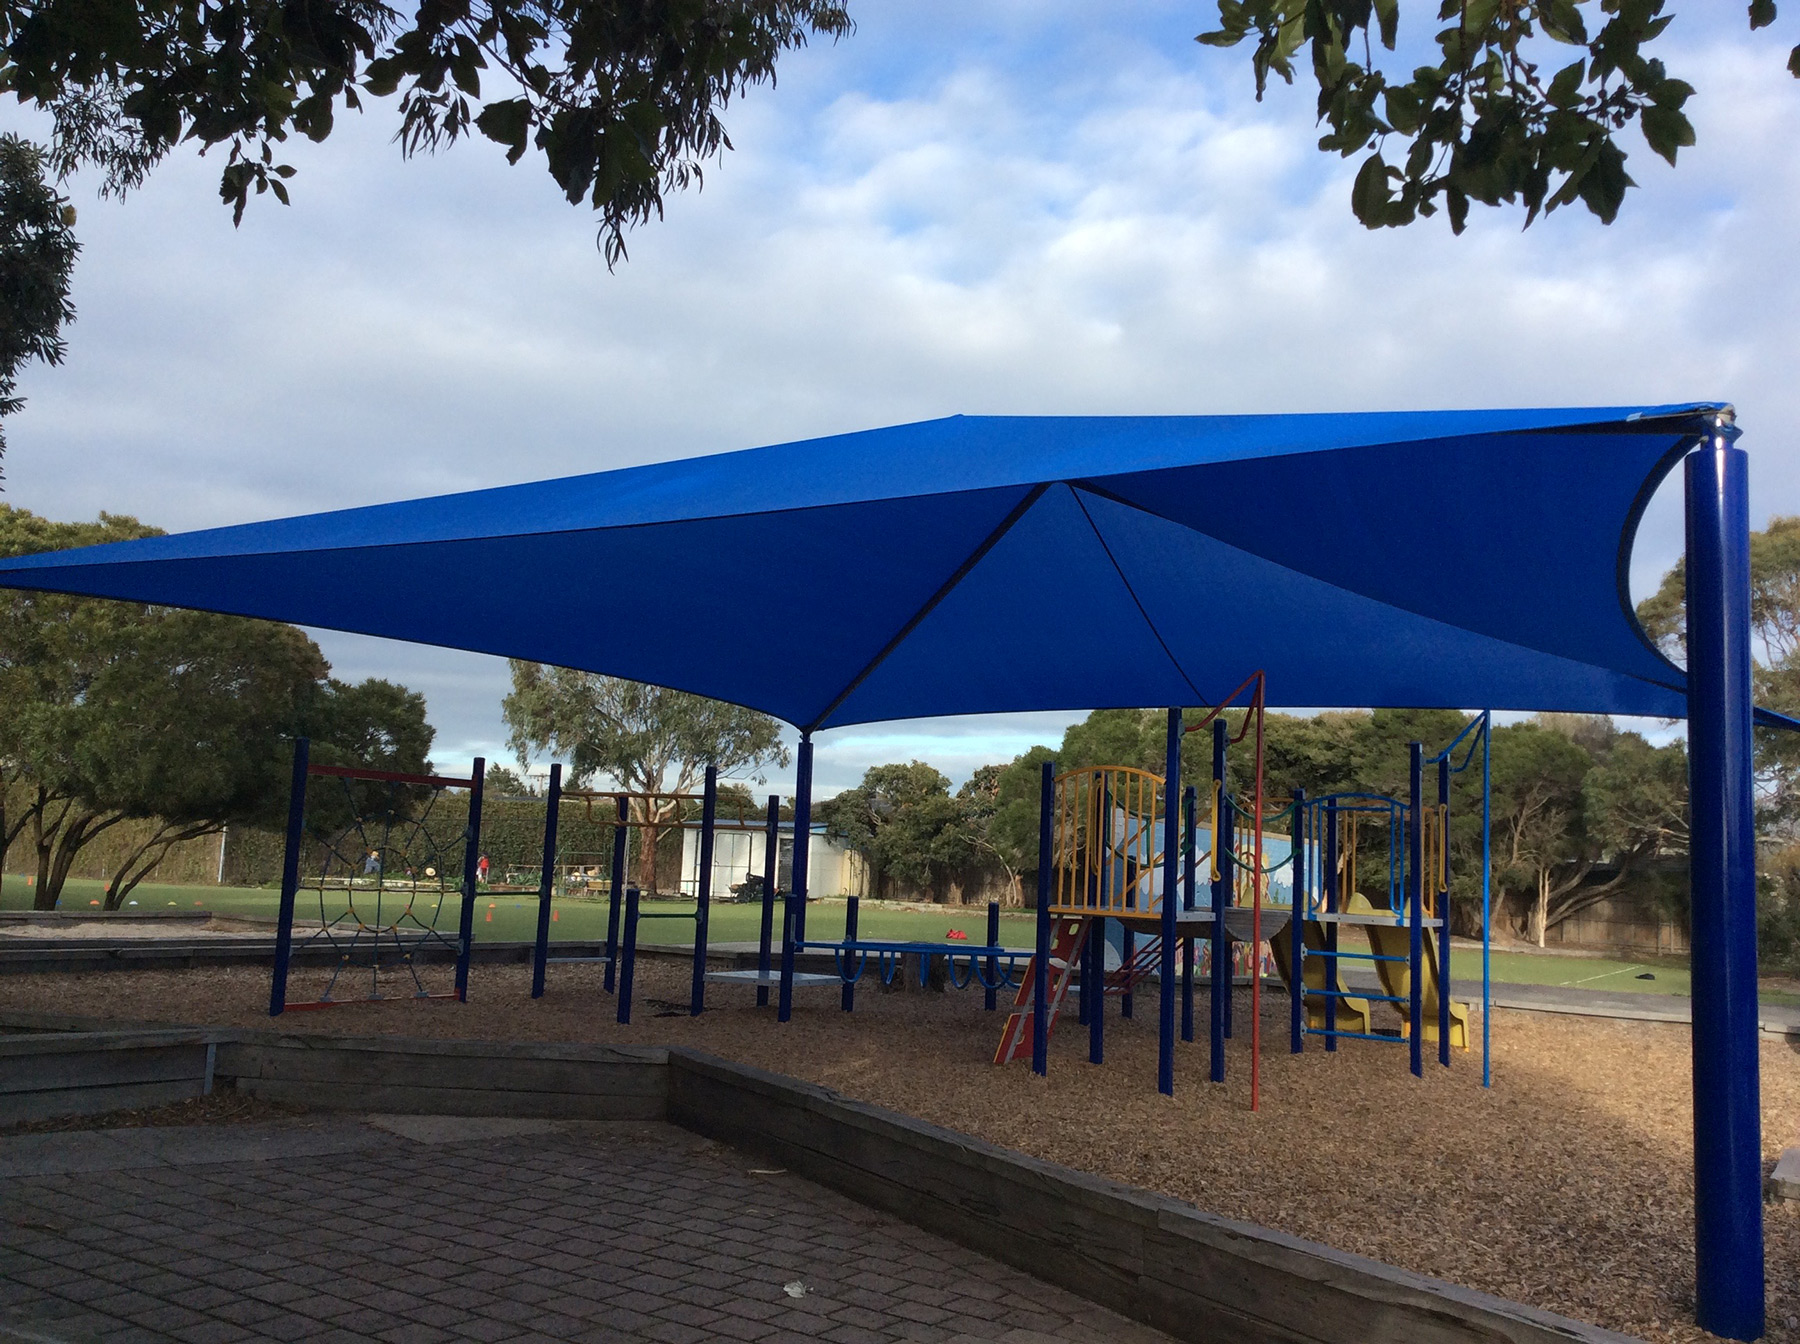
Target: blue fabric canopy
979,564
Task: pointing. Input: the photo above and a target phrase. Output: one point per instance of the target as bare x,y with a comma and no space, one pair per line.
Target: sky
989,206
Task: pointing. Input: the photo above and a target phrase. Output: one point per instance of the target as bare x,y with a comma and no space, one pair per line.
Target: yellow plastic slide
1353,1013
1395,940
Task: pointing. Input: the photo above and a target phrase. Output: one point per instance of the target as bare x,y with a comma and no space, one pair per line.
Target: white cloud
985,208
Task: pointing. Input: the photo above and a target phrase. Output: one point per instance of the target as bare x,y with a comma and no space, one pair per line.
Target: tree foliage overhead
37,256
1516,102
623,101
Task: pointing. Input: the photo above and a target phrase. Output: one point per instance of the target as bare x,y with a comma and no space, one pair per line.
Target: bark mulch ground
1568,1185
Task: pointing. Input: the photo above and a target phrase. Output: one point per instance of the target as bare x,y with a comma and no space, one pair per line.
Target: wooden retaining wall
44,1075
400,1076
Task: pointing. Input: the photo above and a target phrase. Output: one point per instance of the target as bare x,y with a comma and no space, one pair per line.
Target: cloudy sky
994,206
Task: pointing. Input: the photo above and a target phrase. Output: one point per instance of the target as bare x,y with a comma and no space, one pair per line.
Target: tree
622,102
504,783
904,819
1521,103
37,255
1775,631
112,711
648,739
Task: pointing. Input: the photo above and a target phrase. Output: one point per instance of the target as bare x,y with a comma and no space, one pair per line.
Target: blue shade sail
989,564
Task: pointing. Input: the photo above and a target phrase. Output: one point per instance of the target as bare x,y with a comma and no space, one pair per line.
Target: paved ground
414,1230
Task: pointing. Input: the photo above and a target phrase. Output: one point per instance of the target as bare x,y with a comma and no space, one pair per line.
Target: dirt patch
1569,1185
224,1107
180,930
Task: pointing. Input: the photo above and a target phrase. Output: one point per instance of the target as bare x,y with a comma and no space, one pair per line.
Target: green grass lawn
1530,968
505,917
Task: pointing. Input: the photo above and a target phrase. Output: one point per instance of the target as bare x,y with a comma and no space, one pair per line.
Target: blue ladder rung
1356,956
1357,994
1352,1035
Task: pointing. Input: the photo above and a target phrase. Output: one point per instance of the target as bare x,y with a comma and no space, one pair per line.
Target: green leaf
1370,196
1762,13
1667,131
1565,89
506,123
1388,13
1794,62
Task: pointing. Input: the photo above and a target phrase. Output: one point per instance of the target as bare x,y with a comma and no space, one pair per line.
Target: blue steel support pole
1487,863
1728,1222
1040,963
546,881
709,817
851,910
290,877
1093,975
1414,900
1297,928
628,954
990,1000
803,782
1441,879
1165,1018
1097,934
620,856
1190,804
1328,874
793,924
1221,886
471,856
771,869
1228,881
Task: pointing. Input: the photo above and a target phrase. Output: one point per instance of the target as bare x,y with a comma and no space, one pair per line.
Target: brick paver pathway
344,1231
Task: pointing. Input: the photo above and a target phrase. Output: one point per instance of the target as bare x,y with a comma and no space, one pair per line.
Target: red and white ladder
1066,943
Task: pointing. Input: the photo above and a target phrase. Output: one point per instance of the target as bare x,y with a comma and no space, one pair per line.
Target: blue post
1165,1018
1221,890
803,834
991,1001
1415,899
709,815
628,954
1040,963
1297,928
290,876
1442,879
793,922
1188,878
771,867
1328,873
471,856
1228,880
546,881
1728,1224
621,849
1487,865
1095,974
851,911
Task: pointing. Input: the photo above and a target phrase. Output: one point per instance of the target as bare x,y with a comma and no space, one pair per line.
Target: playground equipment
1406,923
1104,874
1112,848
385,879
625,913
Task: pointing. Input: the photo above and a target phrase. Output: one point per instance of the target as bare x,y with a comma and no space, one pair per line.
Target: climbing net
384,860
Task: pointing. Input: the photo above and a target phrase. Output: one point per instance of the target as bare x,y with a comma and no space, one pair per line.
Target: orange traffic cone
554,916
